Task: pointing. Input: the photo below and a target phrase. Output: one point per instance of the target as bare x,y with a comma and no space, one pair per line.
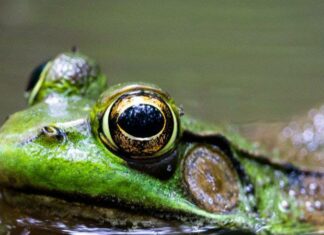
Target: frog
127,156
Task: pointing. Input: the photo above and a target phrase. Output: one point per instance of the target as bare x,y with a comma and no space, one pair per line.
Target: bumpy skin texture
72,162
68,74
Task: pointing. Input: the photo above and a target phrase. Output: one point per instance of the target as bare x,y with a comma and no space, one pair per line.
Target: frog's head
128,148
126,145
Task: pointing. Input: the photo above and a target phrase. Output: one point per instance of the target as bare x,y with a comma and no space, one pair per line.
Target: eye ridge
141,120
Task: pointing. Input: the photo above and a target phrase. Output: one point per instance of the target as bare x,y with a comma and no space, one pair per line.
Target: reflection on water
14,221
224,61
29,225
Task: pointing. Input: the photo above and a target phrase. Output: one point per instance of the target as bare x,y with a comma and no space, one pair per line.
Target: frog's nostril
53,132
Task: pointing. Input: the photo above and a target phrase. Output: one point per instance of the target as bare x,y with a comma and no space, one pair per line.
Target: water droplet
284,206
249,188
318,205
308,135
313,188
210,201
303,191
309,206
282,184
292,193
169,168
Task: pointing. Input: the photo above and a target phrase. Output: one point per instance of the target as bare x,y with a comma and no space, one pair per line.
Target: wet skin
131,158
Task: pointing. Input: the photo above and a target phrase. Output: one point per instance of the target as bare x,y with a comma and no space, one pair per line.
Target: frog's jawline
130,221
103,211
111,202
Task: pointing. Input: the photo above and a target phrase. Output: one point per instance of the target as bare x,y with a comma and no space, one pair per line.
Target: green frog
127,156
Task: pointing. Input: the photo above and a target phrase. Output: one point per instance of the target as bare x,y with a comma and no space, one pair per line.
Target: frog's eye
140,124
35,80
67,74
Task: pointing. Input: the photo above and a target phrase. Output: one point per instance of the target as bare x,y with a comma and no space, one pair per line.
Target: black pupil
142,120
33,79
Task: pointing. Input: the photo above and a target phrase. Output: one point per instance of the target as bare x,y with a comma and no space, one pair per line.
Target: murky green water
223,60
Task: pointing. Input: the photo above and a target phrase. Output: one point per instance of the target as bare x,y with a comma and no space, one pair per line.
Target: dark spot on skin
142,120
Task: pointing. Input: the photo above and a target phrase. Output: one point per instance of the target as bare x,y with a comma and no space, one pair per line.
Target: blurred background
230,61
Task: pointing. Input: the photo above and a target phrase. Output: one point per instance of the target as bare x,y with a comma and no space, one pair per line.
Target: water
227,61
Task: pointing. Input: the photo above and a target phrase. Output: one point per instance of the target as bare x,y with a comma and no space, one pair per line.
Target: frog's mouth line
107,205
74,214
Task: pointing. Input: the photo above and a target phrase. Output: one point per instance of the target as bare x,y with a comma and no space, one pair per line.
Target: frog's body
210,174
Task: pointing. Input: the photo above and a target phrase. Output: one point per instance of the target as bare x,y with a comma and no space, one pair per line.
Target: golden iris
139,124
